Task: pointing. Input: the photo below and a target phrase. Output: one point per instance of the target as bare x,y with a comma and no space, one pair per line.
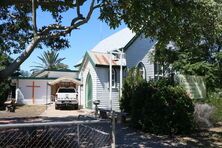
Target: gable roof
99,59
121,39
116,41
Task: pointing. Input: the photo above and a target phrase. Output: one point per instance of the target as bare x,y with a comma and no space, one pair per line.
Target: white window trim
144,69
114,85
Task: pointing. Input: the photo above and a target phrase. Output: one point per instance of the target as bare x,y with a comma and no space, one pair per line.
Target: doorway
88,92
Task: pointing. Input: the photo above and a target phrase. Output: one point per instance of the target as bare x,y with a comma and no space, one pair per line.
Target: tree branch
78,22
45,33
15,65
51,28
78,8
34,17
45,3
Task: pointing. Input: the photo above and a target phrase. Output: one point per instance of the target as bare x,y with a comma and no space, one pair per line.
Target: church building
120,51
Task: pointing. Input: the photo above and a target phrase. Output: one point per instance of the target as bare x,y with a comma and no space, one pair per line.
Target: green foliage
16,26
215,99
169,110
50,60
189,24
188,32
158,107
130,83
21,33
4,91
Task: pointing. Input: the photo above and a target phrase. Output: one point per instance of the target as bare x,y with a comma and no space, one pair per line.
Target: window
158,71
113,78
142,70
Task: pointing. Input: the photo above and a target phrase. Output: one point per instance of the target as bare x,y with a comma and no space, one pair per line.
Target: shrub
130,83
214,99
159,107
169,111
4,90
202,114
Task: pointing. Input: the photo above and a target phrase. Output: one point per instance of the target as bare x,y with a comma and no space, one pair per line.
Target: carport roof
65,79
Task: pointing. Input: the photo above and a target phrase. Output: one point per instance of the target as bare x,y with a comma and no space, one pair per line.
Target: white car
66,97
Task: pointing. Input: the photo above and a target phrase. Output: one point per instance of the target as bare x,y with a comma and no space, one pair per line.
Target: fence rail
56,134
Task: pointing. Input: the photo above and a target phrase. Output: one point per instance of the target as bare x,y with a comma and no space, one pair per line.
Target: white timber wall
103,88
139,51
89,69
41,94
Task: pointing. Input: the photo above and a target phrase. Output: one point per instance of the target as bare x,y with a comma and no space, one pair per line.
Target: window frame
141,67
114,78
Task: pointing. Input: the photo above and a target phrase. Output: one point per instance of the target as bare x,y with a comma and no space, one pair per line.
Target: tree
50,60
194,27
187,23
20,33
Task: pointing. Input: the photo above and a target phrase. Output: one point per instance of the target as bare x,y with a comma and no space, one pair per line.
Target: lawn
24,111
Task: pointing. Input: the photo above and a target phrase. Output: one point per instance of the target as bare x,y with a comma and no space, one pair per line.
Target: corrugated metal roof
100,58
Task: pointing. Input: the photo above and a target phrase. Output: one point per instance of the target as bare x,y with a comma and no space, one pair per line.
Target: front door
88,94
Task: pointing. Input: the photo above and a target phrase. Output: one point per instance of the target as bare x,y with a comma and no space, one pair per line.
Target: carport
63,82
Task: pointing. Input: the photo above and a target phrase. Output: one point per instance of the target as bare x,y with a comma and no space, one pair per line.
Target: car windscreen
66,90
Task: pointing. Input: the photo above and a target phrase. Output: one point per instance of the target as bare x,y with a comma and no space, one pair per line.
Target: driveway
51,112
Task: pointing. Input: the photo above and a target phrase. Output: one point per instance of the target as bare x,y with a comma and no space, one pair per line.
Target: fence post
113,130
78,135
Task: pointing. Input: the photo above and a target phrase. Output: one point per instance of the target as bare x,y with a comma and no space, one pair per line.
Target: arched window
142,70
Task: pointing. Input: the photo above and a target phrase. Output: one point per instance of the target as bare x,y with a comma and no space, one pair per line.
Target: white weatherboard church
94,68
92,77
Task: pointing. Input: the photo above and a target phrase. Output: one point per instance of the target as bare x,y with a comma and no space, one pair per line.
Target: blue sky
81,40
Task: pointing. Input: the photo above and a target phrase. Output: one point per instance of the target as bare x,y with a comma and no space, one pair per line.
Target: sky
81,40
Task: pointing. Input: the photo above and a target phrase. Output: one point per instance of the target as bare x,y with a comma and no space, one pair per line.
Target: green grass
217,114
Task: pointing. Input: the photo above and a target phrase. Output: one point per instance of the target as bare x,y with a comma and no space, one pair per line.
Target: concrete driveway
51,112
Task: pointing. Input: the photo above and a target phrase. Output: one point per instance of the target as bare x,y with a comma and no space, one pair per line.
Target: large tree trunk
9,70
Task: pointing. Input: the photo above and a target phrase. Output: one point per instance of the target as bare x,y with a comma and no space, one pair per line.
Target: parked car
66,97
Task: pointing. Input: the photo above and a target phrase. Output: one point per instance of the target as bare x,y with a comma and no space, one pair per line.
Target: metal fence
89,134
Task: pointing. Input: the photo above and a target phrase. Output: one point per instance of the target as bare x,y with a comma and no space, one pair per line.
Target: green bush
159,107
130,83
169,110
4,90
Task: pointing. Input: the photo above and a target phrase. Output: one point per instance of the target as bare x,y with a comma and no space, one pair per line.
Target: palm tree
49,60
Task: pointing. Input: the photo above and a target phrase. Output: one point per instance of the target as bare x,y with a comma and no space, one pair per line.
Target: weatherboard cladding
139,51
89,69
103,89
